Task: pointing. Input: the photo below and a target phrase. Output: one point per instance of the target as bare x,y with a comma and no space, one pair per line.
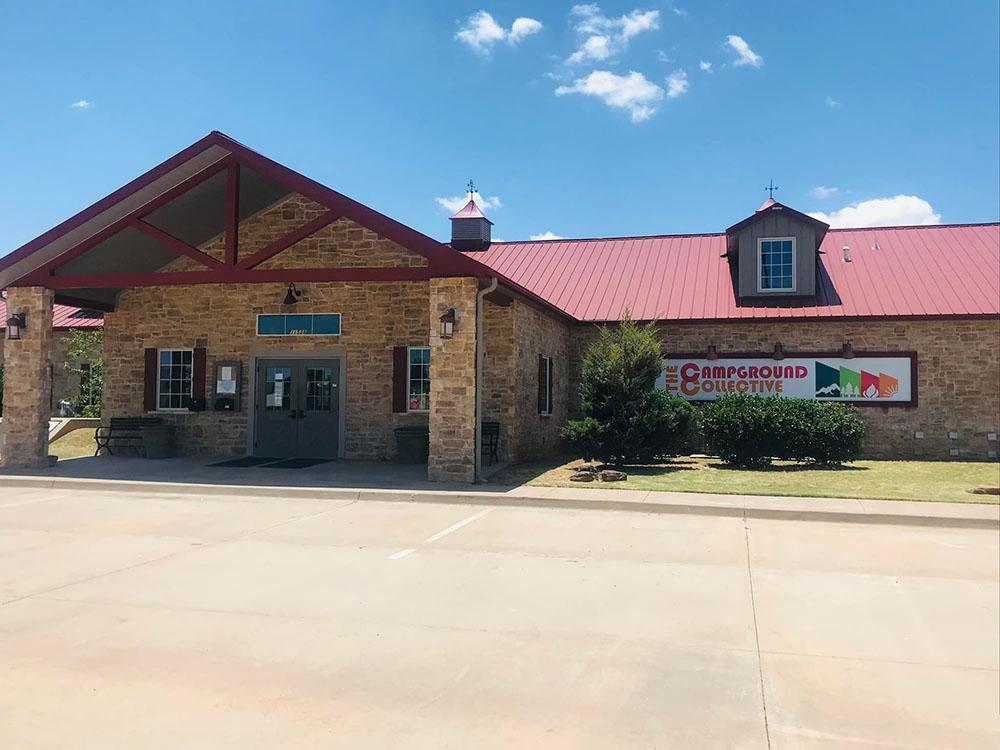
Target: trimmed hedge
746,430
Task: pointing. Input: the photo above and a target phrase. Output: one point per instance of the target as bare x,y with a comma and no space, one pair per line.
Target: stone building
68,372
263,313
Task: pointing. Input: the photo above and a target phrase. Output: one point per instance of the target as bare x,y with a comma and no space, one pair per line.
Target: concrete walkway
390,482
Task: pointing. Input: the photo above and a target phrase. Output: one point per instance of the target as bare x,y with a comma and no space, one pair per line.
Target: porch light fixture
448,324
16,324
292,295
779,352
711,354
847,351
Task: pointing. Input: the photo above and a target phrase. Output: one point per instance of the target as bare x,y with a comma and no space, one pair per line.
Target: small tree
626,419
85,357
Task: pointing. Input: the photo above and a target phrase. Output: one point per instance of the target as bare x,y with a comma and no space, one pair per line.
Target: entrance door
297,408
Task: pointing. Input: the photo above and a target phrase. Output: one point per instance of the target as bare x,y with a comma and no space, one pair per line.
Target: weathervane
770,189
471,186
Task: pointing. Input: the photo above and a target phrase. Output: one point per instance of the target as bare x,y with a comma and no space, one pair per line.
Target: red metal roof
63,317
926,271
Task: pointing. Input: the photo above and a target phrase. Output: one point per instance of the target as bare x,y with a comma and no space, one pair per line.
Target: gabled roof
64,317
470,211
916,272
772,206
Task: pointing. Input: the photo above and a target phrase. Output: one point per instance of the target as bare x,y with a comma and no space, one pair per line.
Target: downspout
480,310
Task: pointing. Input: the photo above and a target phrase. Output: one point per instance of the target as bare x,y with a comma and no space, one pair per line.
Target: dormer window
776,264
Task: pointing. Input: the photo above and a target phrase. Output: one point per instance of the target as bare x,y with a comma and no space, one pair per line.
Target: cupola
470,229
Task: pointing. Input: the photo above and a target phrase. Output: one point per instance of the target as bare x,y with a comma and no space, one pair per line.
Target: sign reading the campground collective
861,379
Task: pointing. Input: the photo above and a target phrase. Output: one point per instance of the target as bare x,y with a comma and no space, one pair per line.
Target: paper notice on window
227,373
225,386
271,401
279,390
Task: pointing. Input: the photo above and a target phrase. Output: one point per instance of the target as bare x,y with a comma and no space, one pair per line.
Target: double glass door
297,408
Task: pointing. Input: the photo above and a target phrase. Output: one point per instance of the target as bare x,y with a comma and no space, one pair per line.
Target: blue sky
622,118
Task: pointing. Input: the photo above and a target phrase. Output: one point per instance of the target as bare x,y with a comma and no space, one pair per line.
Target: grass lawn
75,444
947,481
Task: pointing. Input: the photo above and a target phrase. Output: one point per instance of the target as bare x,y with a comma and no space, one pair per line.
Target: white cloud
832,103
546,236
603,36
677,84
523,27
457,202
82,104
633,92
481,31
745,55
705,67
821,193
882,212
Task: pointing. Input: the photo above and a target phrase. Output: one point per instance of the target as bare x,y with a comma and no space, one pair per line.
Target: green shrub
747,430
626,419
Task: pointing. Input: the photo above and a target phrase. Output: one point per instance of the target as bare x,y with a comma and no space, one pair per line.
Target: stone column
24,435
453,382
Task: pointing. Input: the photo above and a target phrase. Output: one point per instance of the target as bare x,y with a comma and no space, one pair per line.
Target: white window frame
760,265
547,411
409,381
159,380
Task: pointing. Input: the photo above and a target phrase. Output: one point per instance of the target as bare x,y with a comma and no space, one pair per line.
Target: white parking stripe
443,533
456,526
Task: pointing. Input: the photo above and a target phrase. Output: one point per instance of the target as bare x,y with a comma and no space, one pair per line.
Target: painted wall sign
888,379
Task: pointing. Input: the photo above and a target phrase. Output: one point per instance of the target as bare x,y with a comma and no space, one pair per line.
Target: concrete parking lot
160,621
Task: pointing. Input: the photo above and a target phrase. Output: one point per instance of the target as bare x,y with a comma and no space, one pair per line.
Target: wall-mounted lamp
448,324
779,352
847,351
292,295
15,324
712,354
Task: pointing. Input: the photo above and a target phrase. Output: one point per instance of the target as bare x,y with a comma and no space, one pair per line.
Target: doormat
242,463
296,463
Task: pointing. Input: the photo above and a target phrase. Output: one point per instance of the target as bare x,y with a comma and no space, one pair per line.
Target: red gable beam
232,213
289,239
235,275
175,244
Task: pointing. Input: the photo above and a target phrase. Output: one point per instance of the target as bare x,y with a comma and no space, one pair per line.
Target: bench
123,433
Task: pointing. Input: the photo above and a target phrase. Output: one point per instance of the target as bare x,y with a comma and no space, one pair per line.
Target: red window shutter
149,380
198,373
400,381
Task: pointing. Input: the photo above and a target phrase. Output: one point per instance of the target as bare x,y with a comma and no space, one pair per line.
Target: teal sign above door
319,324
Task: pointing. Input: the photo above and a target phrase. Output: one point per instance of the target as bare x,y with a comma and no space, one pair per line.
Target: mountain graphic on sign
827,381
844,383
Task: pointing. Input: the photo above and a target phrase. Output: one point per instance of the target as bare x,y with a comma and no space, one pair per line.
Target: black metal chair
491,441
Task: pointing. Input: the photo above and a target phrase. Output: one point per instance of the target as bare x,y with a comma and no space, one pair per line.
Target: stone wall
24,433
958,372
515,335
453,383
222,318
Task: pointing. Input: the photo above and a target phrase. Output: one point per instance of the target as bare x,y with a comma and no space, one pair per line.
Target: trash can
412,444
158,440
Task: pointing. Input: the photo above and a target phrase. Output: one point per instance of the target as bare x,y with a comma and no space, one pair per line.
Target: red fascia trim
176,244
233,275
107,202
803,319
86,304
